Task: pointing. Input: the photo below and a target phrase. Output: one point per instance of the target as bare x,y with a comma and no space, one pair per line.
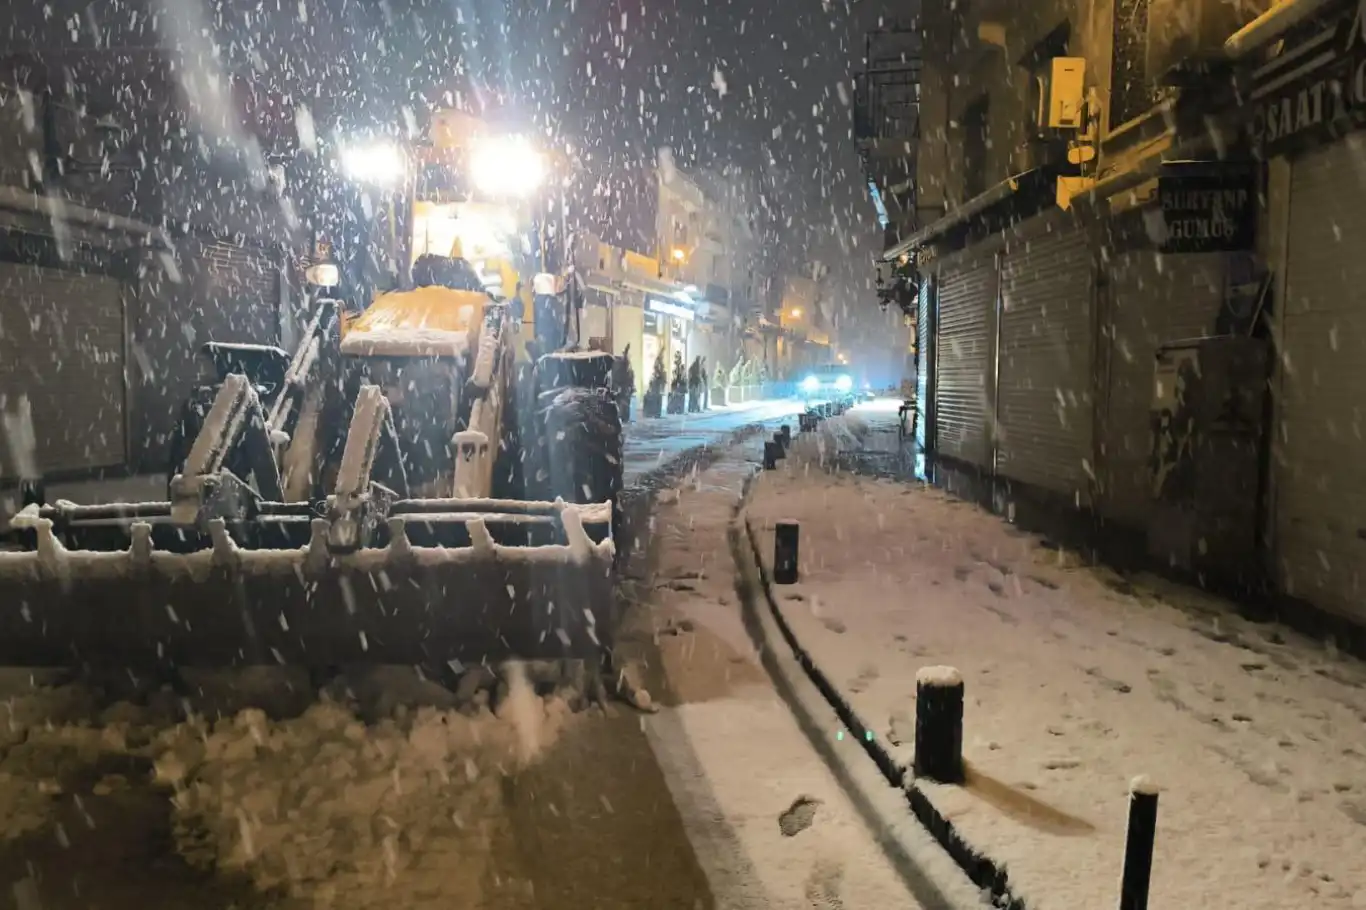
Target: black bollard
770,455
787,435
32,491
806,422
939,724
781,444
785,539
1138,845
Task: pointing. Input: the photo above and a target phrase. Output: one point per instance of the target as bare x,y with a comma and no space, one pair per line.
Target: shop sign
668,308
1316,84
1207,213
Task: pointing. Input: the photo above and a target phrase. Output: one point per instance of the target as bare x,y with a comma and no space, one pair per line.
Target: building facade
710,244
1128,250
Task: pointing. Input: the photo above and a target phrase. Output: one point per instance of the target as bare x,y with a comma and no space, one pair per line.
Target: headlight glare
810,384
844,383
506,166
323,274
378,163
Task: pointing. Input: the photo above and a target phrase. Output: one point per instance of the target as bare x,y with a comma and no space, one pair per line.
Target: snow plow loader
409,486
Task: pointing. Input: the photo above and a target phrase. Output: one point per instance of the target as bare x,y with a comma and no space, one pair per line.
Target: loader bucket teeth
442,587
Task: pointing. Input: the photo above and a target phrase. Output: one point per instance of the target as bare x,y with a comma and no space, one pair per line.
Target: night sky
763,84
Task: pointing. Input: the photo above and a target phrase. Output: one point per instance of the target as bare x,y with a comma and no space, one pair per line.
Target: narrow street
256,791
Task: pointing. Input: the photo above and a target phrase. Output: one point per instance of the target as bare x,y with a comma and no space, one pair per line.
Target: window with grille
1133,90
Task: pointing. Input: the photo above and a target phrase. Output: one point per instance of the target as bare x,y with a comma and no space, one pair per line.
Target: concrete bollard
770,455
1138,845
785,548
939,724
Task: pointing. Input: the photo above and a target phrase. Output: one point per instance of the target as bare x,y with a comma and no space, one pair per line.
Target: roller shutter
211,291
1319,482
1044,403
1153,299
924,358
61,351
967,298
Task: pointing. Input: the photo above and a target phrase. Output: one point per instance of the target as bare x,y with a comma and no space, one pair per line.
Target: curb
980,869
934,879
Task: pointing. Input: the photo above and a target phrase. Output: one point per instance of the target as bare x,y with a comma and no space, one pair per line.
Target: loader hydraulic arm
487,388
205,489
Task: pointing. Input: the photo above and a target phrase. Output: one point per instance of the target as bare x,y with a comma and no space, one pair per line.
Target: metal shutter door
1154,299
967,296
61,345
1044,393
923,341
1320,488
217,291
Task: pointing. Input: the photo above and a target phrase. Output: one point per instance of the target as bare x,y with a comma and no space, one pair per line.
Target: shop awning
46,215
600,282
1194,150
649,286
973,207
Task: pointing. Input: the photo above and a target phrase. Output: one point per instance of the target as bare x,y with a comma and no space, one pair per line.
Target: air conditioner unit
1062,94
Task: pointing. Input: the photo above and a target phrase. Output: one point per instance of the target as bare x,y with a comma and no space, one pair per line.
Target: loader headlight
506,166
323,274
844,383
810,384
379,163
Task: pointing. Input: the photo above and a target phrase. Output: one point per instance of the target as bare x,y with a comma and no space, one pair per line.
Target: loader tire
584,442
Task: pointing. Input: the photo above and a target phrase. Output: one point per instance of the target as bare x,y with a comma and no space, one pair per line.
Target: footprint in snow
799,816
834,625
822,886
1061,764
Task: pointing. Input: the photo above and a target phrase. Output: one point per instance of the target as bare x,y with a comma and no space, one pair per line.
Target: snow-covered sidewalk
1077,681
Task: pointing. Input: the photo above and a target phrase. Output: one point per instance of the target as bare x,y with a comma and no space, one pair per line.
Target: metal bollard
770,455
939,724
806,422
1138,845
32,491
781,444
786,430
785,547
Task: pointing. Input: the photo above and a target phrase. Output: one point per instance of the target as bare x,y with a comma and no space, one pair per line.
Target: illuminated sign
668,308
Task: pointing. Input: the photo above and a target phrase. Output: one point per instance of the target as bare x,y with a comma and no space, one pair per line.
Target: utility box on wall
1207,432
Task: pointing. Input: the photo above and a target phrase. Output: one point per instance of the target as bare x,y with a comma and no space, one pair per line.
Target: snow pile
324,807
54,741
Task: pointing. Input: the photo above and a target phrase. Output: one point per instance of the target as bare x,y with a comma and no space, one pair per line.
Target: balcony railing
887,101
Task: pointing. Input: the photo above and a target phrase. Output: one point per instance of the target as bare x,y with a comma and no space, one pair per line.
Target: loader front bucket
446,580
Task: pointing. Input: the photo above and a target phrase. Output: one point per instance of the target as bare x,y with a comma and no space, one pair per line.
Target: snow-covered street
254,789
1077,680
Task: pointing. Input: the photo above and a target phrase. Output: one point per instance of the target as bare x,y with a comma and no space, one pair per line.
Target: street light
678,254
797,313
